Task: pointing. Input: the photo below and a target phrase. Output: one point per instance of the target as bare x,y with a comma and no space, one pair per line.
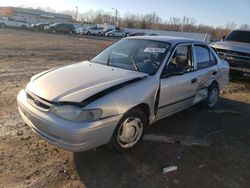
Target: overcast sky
209,12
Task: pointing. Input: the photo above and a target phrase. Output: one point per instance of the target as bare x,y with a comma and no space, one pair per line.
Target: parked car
60,28
91,31
153,34
79,30
235,48
116,33
115,96
137,34
38,26
104,31
7,22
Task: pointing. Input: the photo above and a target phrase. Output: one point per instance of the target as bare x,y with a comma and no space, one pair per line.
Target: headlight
75,113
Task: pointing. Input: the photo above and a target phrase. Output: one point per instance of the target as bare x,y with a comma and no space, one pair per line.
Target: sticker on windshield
155,50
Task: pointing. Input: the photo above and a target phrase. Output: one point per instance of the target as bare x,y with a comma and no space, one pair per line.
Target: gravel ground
28,161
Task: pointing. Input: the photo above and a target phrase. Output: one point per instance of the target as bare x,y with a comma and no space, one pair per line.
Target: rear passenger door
205,63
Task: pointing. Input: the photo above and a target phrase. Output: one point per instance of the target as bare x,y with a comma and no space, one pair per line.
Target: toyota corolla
115,96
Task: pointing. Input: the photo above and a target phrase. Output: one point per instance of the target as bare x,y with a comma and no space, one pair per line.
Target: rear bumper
73,136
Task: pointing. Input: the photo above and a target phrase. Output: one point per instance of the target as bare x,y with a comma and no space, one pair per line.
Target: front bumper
73,136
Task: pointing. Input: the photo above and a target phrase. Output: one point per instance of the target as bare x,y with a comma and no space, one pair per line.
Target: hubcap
129,132
213,97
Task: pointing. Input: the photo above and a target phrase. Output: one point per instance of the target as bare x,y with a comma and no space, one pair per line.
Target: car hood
79,81
234,46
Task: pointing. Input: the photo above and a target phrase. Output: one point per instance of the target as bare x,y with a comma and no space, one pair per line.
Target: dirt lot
28,161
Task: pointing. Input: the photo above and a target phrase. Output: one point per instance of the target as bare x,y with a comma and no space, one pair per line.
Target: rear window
239,36
204,57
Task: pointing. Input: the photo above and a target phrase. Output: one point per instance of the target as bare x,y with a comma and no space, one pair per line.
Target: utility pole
116,14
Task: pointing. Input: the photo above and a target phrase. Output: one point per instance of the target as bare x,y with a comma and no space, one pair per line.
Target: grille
235,59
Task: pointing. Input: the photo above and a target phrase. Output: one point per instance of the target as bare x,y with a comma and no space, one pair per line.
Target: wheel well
214,82
145,108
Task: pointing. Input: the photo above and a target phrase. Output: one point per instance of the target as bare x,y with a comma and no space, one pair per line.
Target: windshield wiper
136,68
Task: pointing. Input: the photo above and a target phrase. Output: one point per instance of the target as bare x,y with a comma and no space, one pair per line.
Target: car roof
248,30
172,40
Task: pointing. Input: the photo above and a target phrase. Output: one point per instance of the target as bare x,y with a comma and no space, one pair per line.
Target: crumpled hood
234,46
78,81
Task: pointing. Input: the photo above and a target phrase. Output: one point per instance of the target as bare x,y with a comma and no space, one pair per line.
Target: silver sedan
114,97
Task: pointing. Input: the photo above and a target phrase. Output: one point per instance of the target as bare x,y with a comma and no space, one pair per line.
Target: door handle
194,80
214,73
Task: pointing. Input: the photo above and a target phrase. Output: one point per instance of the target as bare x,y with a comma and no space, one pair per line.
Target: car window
213,60
204,57
182,58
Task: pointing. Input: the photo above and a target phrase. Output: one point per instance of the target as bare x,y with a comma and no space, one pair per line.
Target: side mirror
172,71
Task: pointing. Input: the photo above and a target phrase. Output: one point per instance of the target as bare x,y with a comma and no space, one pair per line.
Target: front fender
124,99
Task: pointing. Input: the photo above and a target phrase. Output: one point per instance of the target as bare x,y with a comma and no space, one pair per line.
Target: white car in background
116,33
91,31
78,30
13,23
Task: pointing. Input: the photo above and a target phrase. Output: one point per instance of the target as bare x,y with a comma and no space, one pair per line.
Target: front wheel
129,130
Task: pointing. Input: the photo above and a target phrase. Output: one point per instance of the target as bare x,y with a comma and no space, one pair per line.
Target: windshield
134,54
239,36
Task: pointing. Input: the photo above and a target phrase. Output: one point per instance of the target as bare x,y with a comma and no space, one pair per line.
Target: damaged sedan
115,96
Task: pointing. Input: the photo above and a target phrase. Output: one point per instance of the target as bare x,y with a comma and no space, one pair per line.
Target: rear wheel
213,95
129,130
53,31
70,32
88,33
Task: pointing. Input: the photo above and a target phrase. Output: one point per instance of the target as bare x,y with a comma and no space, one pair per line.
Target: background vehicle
79,30
91,31
116,33
60,28
137,34
38,26
235,48
13,23
115,96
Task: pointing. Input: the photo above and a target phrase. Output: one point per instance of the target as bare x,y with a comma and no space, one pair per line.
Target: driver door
178,91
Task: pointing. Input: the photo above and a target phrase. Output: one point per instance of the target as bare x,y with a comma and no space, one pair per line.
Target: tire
53,31
134,123
2,25
70,32
213,96
88,33
23,27
99,34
